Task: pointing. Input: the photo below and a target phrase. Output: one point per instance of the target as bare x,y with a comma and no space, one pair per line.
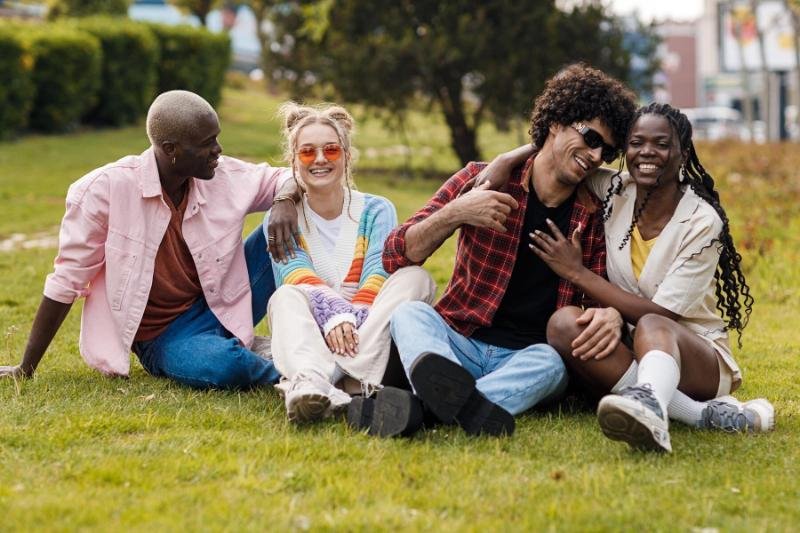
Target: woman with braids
675,277
329,316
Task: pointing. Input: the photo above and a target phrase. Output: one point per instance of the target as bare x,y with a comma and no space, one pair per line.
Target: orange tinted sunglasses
308,154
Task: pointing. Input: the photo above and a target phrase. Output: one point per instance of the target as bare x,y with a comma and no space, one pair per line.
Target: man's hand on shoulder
483,208
498,171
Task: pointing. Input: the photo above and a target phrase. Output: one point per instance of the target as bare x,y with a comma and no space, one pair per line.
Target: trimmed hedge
16,85
193,59
101,70
130,59
66,72
86,8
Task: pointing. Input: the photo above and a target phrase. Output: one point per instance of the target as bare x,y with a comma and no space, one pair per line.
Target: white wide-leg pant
298,344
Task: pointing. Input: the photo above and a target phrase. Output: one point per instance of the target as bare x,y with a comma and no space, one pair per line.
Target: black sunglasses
595,140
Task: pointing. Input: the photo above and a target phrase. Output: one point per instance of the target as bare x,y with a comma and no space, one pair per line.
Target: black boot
448,390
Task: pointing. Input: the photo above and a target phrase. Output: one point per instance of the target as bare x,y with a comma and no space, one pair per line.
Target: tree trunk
462,134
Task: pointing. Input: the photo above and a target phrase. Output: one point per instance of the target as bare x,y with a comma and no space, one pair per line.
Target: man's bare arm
49,317
480,207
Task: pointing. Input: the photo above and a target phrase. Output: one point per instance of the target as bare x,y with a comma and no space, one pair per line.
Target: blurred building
677,83
703,62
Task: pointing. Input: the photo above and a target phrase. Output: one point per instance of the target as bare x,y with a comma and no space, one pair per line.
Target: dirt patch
21,241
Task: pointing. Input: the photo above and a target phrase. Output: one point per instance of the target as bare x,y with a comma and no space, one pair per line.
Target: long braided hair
734,301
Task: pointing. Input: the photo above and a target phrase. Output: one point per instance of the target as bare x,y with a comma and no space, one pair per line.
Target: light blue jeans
516,380
196,349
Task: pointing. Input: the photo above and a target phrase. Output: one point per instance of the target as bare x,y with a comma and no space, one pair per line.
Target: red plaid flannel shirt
485,258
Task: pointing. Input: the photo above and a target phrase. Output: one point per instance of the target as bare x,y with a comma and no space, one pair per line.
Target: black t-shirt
530,299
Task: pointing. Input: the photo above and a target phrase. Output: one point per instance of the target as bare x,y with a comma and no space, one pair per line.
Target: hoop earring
682,174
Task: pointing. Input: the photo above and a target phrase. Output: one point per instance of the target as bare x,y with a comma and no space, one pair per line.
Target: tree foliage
198,8
475,60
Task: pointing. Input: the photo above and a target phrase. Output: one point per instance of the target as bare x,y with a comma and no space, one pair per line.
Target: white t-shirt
328,229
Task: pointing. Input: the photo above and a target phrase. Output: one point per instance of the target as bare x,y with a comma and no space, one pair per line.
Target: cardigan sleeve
378,221
328,307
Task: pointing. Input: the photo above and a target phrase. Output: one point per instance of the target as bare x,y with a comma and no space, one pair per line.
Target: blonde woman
329,316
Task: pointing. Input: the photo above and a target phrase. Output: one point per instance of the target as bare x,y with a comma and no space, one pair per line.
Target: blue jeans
196,349
516,380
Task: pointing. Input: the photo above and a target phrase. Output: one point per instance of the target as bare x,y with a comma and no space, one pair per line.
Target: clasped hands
343,339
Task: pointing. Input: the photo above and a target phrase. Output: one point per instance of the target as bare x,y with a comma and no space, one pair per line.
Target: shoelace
643,394
726,417
368,389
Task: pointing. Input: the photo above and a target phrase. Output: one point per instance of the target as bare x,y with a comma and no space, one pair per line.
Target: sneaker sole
308,408
765,413
620,420
442,385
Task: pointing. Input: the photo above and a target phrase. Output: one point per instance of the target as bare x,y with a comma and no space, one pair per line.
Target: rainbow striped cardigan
341,287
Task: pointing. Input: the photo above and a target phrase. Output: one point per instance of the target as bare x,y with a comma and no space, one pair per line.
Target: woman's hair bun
292,113
341,116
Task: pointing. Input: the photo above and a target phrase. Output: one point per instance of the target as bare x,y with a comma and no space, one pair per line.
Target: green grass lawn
80,451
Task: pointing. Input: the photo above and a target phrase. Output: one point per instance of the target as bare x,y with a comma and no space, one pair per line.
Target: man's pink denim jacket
114,223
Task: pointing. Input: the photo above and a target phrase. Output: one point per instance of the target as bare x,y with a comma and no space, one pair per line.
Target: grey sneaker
635,416
755,416
262,347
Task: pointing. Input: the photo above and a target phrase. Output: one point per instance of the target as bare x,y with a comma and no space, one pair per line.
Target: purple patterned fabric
325,304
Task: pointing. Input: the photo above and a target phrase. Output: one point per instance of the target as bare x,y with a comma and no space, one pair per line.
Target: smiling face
197,155
572,157
653,154
320,174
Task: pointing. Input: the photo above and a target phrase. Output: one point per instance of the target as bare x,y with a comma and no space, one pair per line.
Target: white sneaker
635,416
306,398
339,401
754,416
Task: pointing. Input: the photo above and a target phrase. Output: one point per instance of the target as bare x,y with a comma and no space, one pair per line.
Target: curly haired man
479,356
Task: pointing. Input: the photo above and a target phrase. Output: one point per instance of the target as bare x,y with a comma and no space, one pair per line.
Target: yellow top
640,249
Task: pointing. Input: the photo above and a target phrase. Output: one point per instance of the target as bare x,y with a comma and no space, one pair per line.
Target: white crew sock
684,409
628,379
661,371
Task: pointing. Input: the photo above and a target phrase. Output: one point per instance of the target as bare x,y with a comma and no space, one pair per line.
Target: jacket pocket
231,266
122,254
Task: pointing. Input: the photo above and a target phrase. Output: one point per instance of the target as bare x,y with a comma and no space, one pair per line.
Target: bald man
154,244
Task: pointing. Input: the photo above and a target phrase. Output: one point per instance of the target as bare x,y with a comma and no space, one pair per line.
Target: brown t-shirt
176,285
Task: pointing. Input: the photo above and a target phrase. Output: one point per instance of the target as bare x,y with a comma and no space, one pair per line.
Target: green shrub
130,60
193,59
66,72
16,86
86,8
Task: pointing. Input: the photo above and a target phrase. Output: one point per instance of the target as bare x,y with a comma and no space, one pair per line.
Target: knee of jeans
235,373
407,312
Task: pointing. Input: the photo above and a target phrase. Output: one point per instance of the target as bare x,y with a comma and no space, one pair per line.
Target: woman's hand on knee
343,339
601,335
